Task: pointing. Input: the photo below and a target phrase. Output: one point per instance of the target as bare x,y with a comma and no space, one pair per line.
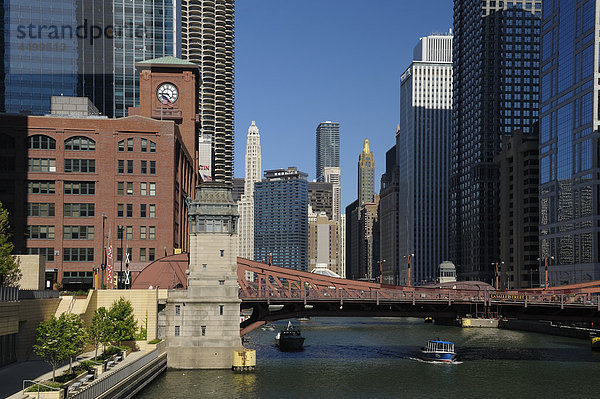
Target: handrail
38,385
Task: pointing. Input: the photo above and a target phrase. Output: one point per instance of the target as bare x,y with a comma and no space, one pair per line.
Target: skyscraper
246,203
569,123
328,147
388,218
366,175
281,218
207,39
423,150
332,175
496,81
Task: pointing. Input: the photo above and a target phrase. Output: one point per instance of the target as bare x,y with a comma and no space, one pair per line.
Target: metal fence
9,294
37,294
111,378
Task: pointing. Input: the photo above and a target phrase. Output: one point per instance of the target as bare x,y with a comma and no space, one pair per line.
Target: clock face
167,92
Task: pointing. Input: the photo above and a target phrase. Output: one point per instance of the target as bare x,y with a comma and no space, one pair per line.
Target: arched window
80,143
6,141
41,142
148,145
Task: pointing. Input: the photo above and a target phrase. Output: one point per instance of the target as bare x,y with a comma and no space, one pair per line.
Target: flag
166,101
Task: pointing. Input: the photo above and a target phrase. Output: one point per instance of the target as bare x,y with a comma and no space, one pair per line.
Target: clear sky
301,62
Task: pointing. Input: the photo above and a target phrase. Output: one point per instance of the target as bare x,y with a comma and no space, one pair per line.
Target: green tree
52,348
74,335
98,330
122,323
10,274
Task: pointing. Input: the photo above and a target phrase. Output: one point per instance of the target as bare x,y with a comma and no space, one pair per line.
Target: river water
375,358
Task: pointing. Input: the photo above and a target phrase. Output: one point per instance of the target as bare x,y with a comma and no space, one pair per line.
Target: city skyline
277,61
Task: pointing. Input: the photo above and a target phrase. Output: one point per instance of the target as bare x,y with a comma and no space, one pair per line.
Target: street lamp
381,261
496,263
409,257
546,259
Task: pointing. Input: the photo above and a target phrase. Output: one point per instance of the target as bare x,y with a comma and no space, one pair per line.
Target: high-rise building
495,91
352,241
569,124
246,203
328,147
366,175
281,218
519,211
368,240
423,152
207,39
320,197
388,219
332,175
323,242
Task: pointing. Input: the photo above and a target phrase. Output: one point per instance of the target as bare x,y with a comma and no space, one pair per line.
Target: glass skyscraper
423,148
569,122
496,91
328,147
281,218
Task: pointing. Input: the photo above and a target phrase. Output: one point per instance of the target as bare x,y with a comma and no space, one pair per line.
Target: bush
154,341
42,388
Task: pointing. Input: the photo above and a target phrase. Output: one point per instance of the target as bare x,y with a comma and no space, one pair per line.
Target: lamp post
381,270
497,274
103,263
122,254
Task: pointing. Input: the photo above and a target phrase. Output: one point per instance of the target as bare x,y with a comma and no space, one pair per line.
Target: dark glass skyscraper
569,121
281,218
328,147
496,91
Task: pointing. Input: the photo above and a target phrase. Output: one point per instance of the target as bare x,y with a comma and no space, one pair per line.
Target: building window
203,330
143,189
222,252
78,210
204,266
145,147
152,167
120,208
78,232
121,145
129,210
40,232
80,188
129,166
152,233
177,331
129,145
78,254
41,165
152,190
177,310
80,144
151,254
143,233
129,188
80,166
41,142
7,164
220,310
120,188
144,167
41,187
120,253
47,253
143,212
120,166
129,233
221,282
152,210
40,209
142,254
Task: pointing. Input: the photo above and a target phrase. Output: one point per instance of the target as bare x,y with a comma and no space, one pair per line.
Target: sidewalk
12,376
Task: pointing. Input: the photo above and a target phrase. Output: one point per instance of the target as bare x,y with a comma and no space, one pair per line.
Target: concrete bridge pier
203,323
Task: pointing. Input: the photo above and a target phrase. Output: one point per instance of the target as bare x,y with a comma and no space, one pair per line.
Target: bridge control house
74,180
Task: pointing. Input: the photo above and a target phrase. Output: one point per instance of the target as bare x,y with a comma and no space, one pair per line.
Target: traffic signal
116,281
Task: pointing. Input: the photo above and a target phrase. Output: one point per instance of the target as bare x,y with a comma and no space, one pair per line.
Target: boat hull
437,356
290,343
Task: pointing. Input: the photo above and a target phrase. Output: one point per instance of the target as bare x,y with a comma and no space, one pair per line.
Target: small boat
428,320
268,327
438,351
595,342
290,339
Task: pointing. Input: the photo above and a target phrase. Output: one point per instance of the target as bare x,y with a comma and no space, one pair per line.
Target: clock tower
168,91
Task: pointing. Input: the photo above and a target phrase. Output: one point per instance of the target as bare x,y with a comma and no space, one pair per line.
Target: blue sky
299,63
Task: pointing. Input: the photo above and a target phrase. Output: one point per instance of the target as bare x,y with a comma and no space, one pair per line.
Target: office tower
328,147
569,122
332,174
368,240
388,219
281,218
70,180
238,189
352,241
366,175
342,230
495,91
207,39
519,210
246,203
323,242
320,197
423,158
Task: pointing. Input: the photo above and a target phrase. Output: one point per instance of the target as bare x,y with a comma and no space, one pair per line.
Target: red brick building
63,178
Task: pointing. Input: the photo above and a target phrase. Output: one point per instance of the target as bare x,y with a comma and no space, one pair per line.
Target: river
375,358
